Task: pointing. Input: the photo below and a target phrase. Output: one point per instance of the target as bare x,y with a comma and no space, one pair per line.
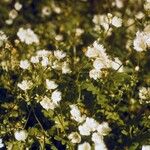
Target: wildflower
44,61
144,94
18,6
146,147
84,129
95,74
79,31
21,135
46,11
74,137
84,146
142,41
51,84
3,38
100,146
103,129
13,14
58,37
56,96
27,36
25,85
97,138
47,103
43,53
34,59
24,64
1,143
117,64
59,54
91,124
76,114
116,21
65,68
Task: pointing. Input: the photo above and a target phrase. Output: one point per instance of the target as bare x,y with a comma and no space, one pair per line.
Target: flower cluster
98,52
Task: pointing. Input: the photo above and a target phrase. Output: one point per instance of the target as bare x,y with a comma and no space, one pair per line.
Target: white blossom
144,94
56,97
13,14
79,31
1,143
59,37
18,6
46,11
43,53
27,36
95,74
34,59
76,114
103,129
59,54
100,146
91,123
45,61
3,38
25,85
84,129
21,135
24,64
97,138
74,137
84,146
116,21
65,68
47,103
146,147
142,41
51,84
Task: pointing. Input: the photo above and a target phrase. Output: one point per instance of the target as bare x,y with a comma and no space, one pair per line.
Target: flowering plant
72,81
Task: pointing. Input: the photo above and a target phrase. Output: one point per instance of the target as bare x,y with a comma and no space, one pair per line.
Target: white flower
116,21
117,64
142,41
84,129
97,138
100,146
51,84
119,3
144,94
21,135
147,6
97,64
102,20
46,103
24,64
79,31
46,11
59,54
58,37
3,38
43,53
65,68
1,143
91,123
44,61
74,137
34,59
84,146
95,74
103,128
91,52
146,147
27,36
76,114
56,9
25,85
13,14
56,96
18,6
